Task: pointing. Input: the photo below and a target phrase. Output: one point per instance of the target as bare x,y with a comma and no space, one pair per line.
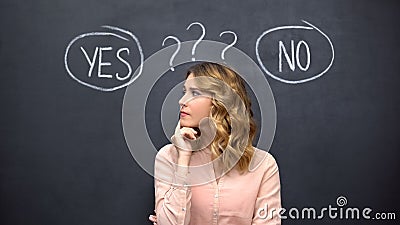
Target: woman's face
194,104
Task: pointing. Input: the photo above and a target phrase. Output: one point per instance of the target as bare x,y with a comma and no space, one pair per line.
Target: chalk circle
120,34
311,27
136,94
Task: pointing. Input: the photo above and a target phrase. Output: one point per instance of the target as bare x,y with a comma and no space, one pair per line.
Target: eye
196,93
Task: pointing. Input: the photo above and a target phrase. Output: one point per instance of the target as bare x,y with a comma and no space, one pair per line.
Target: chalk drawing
99,52
291,60
176,51
230,45
199,40
309,27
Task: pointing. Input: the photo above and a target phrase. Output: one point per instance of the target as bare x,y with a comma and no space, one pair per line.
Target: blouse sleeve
172,195
268,203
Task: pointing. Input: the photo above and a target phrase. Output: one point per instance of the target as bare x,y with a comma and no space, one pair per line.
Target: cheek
205,108
205,111
202,107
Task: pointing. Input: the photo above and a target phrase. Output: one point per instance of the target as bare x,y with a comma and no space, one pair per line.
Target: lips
184,113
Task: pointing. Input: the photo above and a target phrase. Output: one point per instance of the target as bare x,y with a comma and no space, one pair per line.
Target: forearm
173,203
172,194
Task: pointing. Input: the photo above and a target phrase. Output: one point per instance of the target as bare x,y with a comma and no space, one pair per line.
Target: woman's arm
172,196
172,189
268,203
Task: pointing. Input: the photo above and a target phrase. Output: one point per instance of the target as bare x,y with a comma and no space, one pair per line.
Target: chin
188,124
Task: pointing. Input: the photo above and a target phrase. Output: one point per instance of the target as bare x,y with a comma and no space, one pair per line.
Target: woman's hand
153,219
182,140
187,139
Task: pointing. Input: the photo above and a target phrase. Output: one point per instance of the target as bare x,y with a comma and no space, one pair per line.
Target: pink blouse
192,195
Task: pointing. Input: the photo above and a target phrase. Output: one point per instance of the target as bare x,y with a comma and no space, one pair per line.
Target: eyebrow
191,88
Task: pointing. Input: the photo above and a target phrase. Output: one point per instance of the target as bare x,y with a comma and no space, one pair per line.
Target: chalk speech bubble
310,27
116,32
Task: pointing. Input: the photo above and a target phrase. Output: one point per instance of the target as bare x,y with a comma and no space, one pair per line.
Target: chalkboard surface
332,67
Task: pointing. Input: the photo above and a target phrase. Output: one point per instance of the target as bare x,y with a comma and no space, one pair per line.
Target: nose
182,101
185,99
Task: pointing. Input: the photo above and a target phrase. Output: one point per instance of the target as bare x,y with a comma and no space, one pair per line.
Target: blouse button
216,195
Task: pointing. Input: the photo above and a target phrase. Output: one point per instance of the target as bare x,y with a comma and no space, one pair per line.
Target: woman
212,174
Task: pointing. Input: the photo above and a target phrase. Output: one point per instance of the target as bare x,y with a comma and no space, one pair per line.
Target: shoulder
167,151
263,160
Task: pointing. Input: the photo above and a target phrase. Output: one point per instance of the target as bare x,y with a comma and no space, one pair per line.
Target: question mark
176,51
201,37
232,44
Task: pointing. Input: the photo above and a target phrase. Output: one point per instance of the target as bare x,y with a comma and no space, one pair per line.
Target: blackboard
332,67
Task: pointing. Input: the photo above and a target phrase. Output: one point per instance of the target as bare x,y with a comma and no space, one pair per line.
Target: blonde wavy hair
231,113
